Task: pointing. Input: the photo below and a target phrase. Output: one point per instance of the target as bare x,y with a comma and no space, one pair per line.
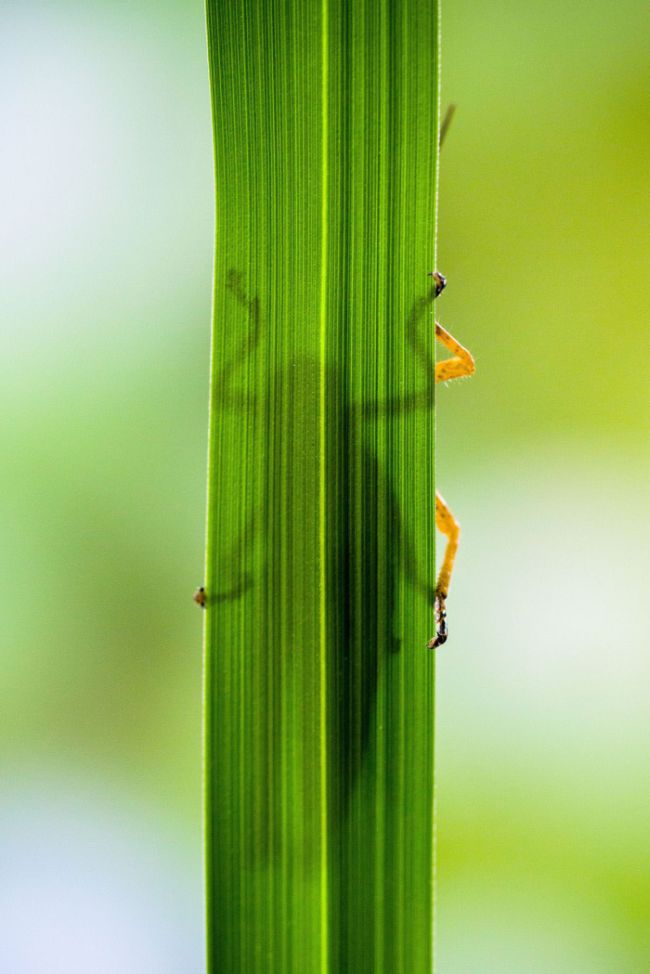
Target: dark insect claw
441,624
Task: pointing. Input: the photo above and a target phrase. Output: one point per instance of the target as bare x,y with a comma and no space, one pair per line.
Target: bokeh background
105,266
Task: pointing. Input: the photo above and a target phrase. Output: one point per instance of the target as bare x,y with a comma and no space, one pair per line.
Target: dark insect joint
439,280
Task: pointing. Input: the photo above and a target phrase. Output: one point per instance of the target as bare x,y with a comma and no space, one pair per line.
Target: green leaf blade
319,688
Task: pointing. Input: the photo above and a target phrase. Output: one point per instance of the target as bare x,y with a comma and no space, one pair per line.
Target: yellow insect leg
461,363
449,526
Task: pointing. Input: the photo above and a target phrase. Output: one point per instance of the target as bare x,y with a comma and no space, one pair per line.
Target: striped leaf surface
319,691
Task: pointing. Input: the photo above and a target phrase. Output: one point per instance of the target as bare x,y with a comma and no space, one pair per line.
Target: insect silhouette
460,364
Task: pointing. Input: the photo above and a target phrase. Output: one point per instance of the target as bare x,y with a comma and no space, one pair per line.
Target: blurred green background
105,269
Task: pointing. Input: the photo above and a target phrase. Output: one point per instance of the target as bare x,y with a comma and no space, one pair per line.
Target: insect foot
439,280
200,597
440,609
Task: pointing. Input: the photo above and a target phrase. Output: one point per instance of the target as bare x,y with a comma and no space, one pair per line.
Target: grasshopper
459,364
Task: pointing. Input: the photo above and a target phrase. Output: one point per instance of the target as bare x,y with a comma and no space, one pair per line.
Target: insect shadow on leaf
274,555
